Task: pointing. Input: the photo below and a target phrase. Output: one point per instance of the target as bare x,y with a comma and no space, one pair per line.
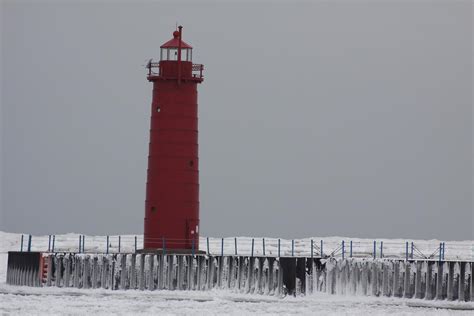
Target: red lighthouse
172,188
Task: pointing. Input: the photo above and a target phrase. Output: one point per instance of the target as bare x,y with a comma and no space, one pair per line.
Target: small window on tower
158,109
191,163
153,209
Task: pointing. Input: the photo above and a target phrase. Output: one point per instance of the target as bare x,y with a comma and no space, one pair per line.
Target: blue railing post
21,243
29,243
235,245
54,241
80,243
119,244
312,254
49,243
381,249
279,247
292,247
207,240
444,252
107,251
412,250
136,243
263,245
83,243
350,249
222,247
375,249
253,241
406,250
322,251
343,249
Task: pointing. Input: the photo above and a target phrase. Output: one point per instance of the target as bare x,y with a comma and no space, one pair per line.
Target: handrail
245,245
196,69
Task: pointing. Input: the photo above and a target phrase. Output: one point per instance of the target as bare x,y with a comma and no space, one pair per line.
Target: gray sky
350,118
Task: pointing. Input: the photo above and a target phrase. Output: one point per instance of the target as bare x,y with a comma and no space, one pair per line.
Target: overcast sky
316,118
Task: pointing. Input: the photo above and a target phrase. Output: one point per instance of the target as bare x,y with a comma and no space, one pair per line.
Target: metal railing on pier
255,247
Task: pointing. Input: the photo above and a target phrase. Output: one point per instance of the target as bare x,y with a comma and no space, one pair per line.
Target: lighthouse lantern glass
172,54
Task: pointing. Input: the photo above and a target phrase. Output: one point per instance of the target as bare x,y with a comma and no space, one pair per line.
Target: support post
29,243
253,241
472,279
222,247
135,243
54,241
396,279
440,252
412,250
80,243
375,249
119,244
279,247
133,274
381,249
450,289
141,273
235,245
461,285
107,251
263,246
406,250
312,249
207,240
292,247
123,272
418,280
21,243
350,245
49,243
428,287
439,281
406,283
322,252
343,250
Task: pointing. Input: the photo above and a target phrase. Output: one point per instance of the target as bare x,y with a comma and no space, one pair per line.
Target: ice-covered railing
337,247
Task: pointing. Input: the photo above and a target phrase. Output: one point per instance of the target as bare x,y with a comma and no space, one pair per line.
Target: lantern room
176,62
170,49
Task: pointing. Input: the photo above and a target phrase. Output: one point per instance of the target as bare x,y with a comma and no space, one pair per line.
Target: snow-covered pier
423,279
426,279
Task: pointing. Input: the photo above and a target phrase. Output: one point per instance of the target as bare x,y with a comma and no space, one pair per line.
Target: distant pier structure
172,188
279,276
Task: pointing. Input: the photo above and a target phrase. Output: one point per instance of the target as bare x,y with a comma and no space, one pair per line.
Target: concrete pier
422,279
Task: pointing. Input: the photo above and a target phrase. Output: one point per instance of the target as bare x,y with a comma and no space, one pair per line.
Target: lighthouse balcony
168,70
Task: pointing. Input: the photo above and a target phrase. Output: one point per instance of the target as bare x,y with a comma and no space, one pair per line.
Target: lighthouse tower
172,188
